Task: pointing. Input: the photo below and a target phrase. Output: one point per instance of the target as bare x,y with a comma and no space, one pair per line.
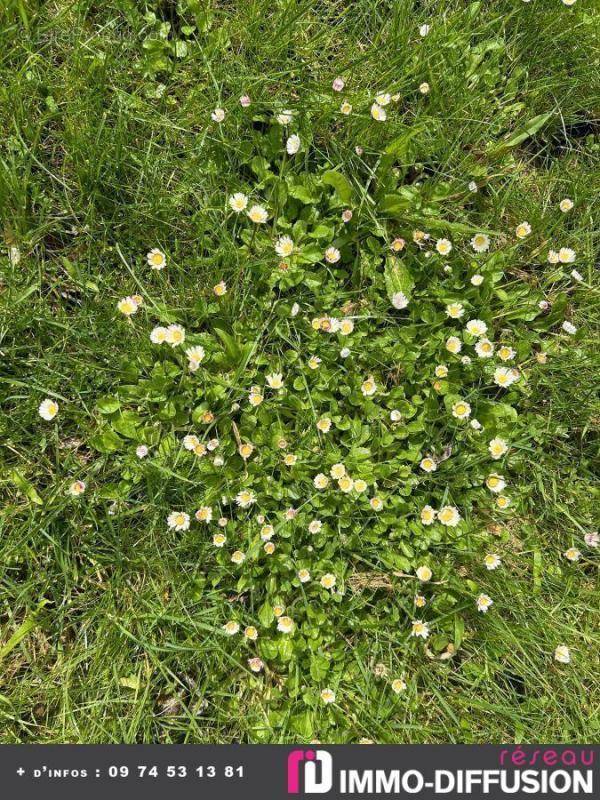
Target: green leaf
286,648
106,442
459,629
24,486
302,725
29,623
398,278
530,128
340,183
108,404
127,424
266,615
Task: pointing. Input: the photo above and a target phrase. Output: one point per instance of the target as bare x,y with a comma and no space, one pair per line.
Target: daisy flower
376,503
321,481
428,515
218,115
477,280
220,289
492,561
368,387
461,410
497,447
502,501
476,327
266,532
48,409
332,255
337,471
495,483
419,628
338,84
504,376
315,526
275,380
455,310
328,581
251,633
285,624
258,214
156,259
219,539
572,554
303,575
293,144
195,356
158,335
141,451
562,654
238,557
453,345
346,326
231,628
313,362
480,243
378,113
256,664
552,257
175,335
565,205
424,574
346,108
245,101
190,441
428,465
346,484
483,603
204,514
505,353
284,246
255,397
77,488
324,425
592,539
178,521
360,486
285,117
245,498
443,246
328,696
566,255
238,202
127,306
398,686
424,87
399,300
484,348
290,459
449,516
569,328
523,230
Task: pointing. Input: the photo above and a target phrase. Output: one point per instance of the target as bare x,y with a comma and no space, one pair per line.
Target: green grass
109,625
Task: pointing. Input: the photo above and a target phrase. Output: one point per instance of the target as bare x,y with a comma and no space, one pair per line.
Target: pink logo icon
305,762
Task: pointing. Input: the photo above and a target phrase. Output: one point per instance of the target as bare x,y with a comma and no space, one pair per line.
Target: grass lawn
123,132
